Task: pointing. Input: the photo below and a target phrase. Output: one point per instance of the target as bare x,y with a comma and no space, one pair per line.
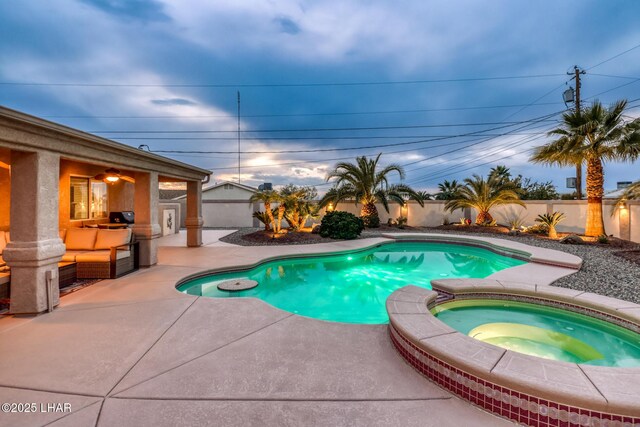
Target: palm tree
267,197
448,190
482,195
367,184
593,136
501,171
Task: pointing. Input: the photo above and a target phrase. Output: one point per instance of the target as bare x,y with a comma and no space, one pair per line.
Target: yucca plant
264,218
551,220
267,197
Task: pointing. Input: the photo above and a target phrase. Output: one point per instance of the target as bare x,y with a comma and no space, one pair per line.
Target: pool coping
526,389
536,256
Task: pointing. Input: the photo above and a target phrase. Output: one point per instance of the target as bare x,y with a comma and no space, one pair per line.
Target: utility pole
577,71
238,137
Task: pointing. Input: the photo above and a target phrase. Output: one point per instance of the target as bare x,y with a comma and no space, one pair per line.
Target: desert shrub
515,222
537,229
603,239
401,221
341,225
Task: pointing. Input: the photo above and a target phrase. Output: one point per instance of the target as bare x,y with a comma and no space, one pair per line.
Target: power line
456,169
268,85
613,57
345,113
308,129
293,138
614,88
306,161
346,148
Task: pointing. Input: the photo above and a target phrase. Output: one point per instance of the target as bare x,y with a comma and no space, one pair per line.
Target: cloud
142,10
287,25
298,41
173,101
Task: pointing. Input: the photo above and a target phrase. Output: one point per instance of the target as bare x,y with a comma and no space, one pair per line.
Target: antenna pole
238,137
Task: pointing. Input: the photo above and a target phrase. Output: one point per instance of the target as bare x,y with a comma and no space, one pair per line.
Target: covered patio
54,178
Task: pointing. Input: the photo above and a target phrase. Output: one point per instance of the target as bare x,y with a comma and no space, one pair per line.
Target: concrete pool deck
134,351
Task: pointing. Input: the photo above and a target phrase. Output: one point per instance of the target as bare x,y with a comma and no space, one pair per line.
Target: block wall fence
624,223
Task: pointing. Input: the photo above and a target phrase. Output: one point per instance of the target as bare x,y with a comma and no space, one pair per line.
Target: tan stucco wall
219,193
121,196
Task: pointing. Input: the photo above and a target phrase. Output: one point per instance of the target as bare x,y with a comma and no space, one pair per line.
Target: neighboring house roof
171,194
220,184
614,194
235,184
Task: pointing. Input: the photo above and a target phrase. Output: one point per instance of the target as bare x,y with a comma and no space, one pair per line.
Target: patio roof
20,131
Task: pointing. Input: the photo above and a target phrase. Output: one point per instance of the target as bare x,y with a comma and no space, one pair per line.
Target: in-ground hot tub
542,331
532,390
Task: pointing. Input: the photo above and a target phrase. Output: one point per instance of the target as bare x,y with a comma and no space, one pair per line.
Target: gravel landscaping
605,270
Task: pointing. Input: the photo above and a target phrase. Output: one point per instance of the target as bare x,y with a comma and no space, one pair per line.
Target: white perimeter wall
229,213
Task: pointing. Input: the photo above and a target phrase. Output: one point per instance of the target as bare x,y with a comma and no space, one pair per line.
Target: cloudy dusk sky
445,88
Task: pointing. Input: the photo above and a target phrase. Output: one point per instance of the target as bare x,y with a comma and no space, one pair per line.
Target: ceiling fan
112,175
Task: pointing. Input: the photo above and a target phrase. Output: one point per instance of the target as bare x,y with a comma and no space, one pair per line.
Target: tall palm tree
482,195
593,136
448,190
502,172
367,184
267,197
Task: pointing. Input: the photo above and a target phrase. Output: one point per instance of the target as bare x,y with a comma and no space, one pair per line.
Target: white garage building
226,204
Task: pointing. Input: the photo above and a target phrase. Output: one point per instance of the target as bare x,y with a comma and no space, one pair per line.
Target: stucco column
147,227
194,219
35,248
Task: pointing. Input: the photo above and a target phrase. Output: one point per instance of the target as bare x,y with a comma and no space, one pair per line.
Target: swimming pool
543,331
353,287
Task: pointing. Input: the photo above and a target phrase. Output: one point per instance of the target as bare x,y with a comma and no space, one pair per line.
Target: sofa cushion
100,256
70,256
80,239
110,238
2,263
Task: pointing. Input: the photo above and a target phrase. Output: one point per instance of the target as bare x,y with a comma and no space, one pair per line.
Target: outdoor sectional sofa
100,253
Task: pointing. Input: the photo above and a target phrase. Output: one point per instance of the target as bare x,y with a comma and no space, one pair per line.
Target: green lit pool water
543,331
353,287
